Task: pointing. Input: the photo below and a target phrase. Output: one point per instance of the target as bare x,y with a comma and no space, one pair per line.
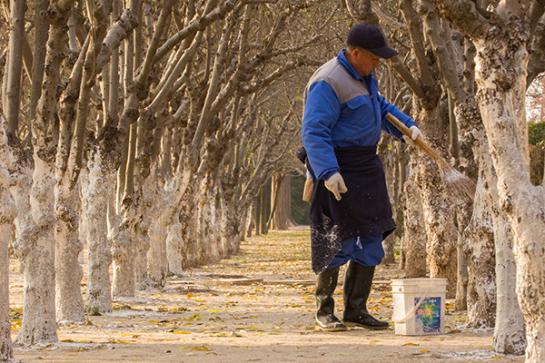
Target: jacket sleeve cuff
327,174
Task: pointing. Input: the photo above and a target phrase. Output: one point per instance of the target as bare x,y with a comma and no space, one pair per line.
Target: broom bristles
458,185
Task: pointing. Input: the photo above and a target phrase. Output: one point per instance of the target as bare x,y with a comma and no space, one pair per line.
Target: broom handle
419,141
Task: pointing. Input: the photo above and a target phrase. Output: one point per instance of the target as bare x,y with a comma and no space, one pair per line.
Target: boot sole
320,328
369,327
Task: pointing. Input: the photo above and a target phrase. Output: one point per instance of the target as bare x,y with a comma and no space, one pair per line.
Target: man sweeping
350,212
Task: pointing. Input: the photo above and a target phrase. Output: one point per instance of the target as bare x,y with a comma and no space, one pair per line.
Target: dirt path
255,307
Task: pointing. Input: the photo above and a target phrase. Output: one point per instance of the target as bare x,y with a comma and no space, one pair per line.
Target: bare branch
537,8
117,33
464,16
406,75
445,59
388,20
196,25
367,15
259,84
418,42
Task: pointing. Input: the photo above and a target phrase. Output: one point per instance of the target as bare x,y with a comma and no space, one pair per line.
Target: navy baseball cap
370,38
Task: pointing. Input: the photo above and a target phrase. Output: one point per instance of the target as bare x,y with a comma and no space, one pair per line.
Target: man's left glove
336,185
415,135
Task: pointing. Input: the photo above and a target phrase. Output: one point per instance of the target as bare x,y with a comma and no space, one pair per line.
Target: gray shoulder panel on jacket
343,83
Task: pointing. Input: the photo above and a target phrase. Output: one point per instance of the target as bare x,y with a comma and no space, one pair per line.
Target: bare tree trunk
175,245
8,213
142,242
414,236
95,204
265,197
504,118
257,215
69,159
6,347
441,233
281,202
388,160
469,119
41,34
158,230
124,258
232,223
69,273
509,325
15,64
463,275
188,220
481,297
509,330
38,261
207,234
123,252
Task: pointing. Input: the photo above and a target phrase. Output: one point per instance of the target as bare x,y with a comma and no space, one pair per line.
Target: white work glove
336,185
415,135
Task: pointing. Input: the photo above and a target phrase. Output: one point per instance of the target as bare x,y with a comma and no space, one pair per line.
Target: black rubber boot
357,286
326,282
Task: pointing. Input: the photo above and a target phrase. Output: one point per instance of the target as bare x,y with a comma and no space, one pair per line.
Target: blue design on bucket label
428,316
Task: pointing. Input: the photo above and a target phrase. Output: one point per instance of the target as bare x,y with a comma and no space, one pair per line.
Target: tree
8,214
502,36
441,59
281,202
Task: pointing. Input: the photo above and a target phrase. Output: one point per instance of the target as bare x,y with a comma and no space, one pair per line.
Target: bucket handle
422,298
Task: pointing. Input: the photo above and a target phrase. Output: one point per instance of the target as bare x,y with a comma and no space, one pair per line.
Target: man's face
365,62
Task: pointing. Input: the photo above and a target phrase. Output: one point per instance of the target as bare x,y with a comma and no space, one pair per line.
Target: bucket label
428,316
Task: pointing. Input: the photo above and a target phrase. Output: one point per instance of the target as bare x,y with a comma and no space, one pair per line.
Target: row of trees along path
147,130
257,306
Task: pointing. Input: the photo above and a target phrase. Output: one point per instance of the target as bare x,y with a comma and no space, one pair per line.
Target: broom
458,185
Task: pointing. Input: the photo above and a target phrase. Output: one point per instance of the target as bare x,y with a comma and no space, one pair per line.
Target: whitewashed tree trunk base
501,77
481,290
69,273
96,211
8,212
123,253
175,244
38,251
6,346
414,236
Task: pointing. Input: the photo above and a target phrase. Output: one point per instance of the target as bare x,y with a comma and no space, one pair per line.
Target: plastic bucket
419,306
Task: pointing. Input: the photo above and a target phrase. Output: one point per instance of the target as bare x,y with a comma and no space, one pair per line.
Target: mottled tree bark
175,245
441,232
8,212
414,236
501,78
96,206
387,156
281,202
508,337
69,273
158,230
481,290
6,346
15,65
38,261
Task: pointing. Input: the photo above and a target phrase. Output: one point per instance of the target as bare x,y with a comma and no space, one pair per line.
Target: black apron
363,210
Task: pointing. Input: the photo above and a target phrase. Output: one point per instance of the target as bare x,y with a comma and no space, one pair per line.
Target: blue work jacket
343,109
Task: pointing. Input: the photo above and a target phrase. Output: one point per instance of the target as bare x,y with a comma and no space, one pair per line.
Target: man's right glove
336,185
416,133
